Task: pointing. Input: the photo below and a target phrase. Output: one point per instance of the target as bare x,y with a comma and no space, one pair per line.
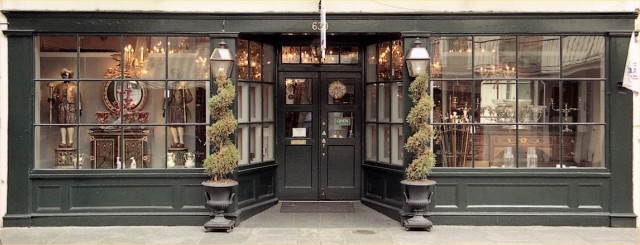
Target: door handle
324,144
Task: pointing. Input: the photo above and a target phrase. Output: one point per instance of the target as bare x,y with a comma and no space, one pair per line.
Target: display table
105,147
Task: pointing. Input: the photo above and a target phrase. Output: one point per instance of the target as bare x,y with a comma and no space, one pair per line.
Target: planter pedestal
418,196
219,197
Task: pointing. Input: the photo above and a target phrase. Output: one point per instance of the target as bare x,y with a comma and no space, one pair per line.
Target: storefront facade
533,127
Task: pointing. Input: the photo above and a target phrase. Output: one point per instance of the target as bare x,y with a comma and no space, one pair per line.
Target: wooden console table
105,147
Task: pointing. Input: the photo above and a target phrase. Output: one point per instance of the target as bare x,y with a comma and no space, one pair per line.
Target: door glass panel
298,91
341,92
298,124
341,125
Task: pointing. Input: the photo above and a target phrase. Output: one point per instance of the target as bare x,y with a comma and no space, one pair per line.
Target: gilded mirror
130,94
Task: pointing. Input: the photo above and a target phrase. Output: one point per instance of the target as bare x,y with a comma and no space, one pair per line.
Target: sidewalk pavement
365,226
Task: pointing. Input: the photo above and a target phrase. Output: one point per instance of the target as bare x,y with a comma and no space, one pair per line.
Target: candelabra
565,111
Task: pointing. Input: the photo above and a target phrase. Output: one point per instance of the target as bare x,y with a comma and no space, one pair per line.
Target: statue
62,101
175,105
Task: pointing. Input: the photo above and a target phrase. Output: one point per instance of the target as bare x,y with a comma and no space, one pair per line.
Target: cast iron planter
418,196
219,197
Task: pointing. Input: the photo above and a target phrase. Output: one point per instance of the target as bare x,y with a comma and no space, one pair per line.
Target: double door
320,135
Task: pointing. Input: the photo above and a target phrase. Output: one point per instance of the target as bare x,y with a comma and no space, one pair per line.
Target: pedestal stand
65,158
178,157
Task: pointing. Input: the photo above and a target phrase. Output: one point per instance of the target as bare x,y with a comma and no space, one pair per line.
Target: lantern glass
418,59
221,61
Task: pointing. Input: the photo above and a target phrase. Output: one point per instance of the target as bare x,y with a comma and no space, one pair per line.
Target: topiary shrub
420,142
225,156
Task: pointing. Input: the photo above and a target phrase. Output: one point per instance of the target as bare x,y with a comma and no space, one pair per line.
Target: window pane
341,125
267,102
242,59
371,142
451,57
290,54
255,143
539,56
371,63
397,102
242,142
124,147
100,57
539,146
47,148
384,143
242,90
349,55
583,57
179,102
384,61
454,101
255,50
309,55
398,59
495,56
298,124
268,59
453,145
397,144
495,146
332,55
591,95
384,101
188,58
566,102
586,146
256,101
341,91
298,91
56,53
268,137
144,57
372,102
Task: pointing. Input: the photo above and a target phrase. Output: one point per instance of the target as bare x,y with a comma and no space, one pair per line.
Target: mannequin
64,101
178,110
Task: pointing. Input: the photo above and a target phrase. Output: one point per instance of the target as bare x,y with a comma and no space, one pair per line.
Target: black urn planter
418,196
219,197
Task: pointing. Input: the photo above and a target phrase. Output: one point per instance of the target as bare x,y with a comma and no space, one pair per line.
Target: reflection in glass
371,142
290,54
539,146
268,59
453,146
349,55
268,138
255,144
384,61
397,102
267,102
585,147
242,142
583,56
298,124
384,99
298,91
255,50
332,55
56,53
242,59
242,90
188,58
256,102
371,64
397,144
309,55
341,125
451,57
454,101
398,59
372,100
539,56
384,140
495,56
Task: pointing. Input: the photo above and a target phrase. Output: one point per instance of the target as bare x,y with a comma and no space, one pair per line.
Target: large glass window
121,102
256,135
519,101
384,141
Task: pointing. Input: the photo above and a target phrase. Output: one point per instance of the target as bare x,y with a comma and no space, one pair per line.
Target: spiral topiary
224,157
418,118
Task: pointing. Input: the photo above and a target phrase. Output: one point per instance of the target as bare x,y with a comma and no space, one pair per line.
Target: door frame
318,174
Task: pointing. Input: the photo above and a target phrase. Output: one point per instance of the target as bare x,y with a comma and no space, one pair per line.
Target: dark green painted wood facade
598,197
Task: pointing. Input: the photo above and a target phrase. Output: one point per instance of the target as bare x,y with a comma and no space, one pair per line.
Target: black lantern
221,61
417,59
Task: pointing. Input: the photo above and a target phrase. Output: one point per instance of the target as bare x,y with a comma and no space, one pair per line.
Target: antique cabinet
106,147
